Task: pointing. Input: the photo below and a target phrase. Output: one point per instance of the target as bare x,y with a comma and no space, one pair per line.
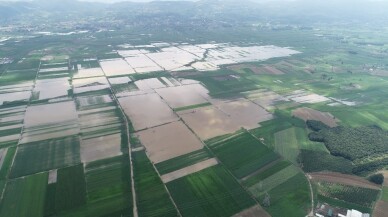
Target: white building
355,213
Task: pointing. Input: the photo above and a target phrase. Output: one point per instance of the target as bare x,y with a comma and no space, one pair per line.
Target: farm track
343,179
135,211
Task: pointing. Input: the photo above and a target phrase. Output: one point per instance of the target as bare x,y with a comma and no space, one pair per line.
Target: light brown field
343,179
189,170
311,114
245,113
169,141
255,211
52,177
3,153
147,111
381,209
208,122
181,96
90,72
100,148
380,72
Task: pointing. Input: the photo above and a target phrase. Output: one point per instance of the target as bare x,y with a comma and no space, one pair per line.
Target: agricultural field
190,116
242,153
211,192
347,196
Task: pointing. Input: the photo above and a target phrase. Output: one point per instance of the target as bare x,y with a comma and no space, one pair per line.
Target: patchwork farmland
160,129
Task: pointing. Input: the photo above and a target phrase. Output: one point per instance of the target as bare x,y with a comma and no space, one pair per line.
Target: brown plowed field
343,179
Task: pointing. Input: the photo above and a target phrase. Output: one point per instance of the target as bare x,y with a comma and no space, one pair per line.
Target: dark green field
242,153
45,155
212,192
152,197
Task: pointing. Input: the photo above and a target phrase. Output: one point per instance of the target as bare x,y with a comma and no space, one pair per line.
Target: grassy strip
266,173
183,161
344,204
192,106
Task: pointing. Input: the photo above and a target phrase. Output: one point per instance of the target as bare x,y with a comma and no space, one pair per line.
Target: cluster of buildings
325,210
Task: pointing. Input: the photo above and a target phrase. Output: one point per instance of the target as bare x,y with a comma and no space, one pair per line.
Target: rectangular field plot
24,197
189,170
85,85
181,96
208,122
152,197
291,198
358,196
245,113
22,96
211,192
89,72
183,161
46,114
17,76
286,144
46,155
147,111
100,147
169,141
51,88
93,102
115,67
311,114
70,188
49,121
242,153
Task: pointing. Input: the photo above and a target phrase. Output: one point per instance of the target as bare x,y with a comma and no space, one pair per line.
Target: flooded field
16,96
115,67
169,141
181,96
100,148
302,96
209,122
90,84
52,88
201,57
89,72
46,114
245,113
147,110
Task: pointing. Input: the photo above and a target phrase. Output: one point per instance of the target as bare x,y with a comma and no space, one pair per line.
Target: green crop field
70,188
242,153
274,180
24,197
384,195
291,198
211,192
110,179
152,197
286,144
46,155
266,173
183,161
355,195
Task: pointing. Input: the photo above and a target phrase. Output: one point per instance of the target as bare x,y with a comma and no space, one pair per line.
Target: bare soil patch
381,209
169,141
343,179
311,114
189,170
